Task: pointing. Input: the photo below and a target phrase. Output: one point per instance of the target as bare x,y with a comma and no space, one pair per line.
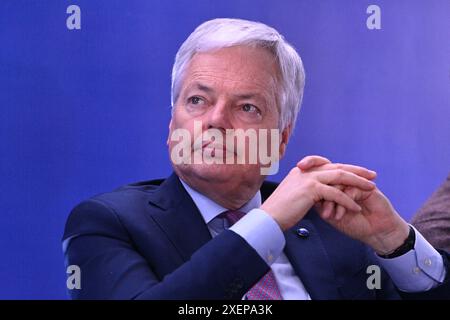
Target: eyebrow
248,96
203,87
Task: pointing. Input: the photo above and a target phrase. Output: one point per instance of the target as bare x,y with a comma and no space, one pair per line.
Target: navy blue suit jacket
148,241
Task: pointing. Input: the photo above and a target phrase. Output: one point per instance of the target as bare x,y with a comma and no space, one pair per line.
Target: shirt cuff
262,233
420,269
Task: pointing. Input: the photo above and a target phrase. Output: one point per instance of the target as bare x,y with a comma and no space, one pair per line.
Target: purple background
83,112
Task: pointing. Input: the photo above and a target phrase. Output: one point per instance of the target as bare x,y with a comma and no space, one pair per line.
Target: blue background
85,111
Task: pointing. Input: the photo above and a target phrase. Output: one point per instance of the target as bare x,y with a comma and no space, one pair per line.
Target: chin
221,173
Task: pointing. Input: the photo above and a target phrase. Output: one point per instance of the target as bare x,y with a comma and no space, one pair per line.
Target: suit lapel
178,217
181,221
311,262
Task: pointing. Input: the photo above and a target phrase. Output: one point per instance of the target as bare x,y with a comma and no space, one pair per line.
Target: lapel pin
303,232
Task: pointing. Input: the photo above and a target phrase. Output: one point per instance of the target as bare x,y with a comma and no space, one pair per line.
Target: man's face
231,88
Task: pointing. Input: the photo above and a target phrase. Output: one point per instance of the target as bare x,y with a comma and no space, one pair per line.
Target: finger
335,195
309,162
328,209
360,171
337,177
354,194
340,212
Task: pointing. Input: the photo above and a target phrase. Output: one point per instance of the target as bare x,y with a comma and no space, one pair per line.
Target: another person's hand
377,224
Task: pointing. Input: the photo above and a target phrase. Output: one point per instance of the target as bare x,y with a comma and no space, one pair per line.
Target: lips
215,147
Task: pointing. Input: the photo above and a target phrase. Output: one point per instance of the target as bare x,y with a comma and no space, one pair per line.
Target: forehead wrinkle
240,87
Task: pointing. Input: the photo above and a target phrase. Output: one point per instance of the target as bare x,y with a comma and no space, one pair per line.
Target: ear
170,131
284,140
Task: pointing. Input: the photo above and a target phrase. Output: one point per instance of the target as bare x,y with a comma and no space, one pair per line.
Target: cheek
180,119
183,126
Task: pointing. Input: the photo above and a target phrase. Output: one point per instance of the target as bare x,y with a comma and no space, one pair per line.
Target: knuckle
311,184
340,173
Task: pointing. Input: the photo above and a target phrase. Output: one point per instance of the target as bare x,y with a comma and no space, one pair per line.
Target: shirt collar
210,209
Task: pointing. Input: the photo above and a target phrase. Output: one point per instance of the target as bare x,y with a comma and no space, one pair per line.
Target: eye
195,100
250,108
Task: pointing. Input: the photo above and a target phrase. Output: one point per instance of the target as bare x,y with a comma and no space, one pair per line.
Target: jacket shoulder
105,213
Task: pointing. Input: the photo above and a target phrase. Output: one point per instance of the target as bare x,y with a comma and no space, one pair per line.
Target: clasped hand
343,195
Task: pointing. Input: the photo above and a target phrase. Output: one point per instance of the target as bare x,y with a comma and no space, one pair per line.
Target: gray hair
221,33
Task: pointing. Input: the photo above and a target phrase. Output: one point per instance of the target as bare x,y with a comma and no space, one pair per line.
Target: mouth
216,147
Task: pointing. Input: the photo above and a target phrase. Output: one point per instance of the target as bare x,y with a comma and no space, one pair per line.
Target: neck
231,195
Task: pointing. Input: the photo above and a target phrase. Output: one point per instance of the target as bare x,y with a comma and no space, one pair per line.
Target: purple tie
266,288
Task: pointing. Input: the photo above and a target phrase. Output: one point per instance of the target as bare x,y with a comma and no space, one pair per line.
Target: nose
219,116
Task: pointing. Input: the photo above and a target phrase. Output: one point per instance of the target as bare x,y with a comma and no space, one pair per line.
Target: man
214,229
433,219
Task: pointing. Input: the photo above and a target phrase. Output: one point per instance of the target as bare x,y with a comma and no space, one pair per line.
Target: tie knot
232,216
